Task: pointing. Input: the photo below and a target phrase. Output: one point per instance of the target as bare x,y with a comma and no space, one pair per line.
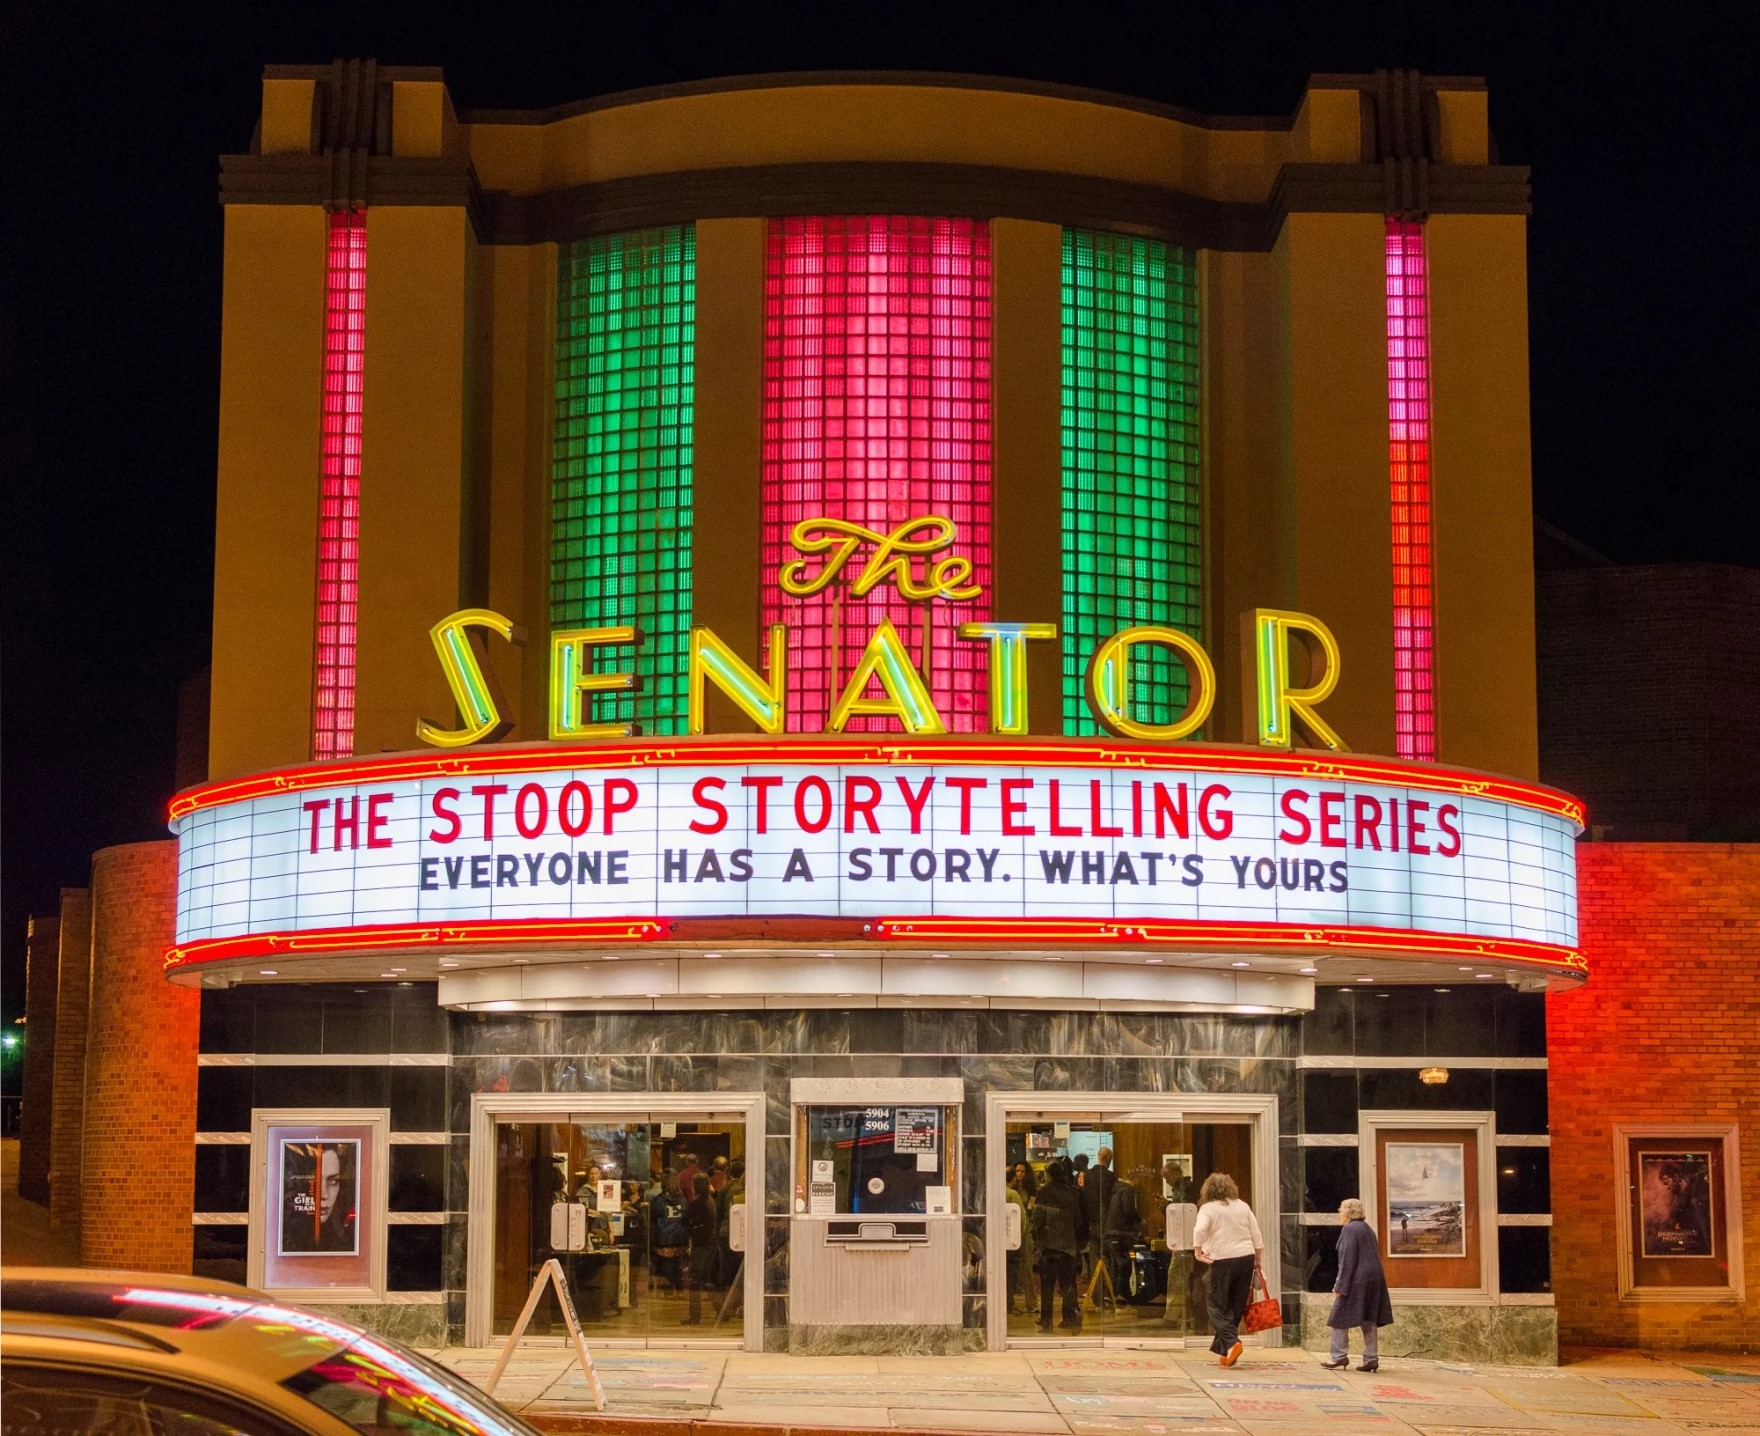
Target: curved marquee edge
816,751
1029,933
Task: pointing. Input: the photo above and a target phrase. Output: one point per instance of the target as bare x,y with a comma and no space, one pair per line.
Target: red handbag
1265,1313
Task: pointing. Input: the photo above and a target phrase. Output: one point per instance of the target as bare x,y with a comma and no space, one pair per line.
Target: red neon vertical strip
877,410
1408,422
339,501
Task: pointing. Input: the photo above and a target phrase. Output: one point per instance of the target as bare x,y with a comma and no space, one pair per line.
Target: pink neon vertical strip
1408,420
877,410
339,501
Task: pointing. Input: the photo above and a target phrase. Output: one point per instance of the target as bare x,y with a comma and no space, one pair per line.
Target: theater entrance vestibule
1134,1164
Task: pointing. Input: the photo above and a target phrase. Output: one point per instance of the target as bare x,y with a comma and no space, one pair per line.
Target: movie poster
320,1198
1426,1199
1674,1191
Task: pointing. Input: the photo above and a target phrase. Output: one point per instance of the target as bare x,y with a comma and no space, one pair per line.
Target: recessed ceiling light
400,969
1154,961
1309,971
1365,979
449,964
267,972
1483,975
1445,989
1463,969
846,994
387,974
938,954
1240,964
711,954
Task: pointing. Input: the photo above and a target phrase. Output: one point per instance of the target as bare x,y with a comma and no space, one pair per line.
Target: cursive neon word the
891,560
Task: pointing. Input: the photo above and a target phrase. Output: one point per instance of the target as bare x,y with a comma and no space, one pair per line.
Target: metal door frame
490,1108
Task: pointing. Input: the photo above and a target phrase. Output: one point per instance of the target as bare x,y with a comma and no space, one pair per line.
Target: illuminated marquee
943,841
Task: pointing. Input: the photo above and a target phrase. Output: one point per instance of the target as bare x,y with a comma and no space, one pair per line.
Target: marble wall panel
682,1074
934,1031
1290,1176
776,1256
778,1174
972,1264
458,1172
971,1174
453,1259
1492,1335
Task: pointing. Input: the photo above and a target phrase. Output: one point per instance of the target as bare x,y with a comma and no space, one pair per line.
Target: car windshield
377,1387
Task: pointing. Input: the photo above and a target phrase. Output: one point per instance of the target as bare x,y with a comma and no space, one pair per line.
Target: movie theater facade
855,635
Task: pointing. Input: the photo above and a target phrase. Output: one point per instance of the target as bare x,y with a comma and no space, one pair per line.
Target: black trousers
1225,1293
1058,1270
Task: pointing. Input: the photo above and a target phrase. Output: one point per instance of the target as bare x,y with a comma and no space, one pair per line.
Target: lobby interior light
1433,1076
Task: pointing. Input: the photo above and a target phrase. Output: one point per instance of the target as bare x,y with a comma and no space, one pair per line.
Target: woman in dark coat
1361,1289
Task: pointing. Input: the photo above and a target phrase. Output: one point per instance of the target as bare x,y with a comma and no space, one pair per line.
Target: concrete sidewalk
26,1238
1122,1392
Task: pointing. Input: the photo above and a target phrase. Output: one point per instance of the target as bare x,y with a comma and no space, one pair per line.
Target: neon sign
829,548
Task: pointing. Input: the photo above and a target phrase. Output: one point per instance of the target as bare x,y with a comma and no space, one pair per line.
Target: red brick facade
138,1180
34,1122
1667,1031
68,1120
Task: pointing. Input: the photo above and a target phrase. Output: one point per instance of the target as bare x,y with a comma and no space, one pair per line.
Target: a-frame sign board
551,1272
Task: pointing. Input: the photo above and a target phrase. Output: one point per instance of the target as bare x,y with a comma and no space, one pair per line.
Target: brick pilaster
41,958
67,1122
138,1178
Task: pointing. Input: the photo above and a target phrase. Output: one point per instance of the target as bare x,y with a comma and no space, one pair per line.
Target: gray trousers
1341,1341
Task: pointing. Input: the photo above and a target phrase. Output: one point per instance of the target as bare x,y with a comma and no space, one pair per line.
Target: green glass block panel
621,491
1131,536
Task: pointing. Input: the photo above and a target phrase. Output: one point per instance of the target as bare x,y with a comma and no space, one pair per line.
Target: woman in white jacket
1226,1236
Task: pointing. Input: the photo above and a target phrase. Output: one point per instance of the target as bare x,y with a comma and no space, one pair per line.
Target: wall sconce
1433,1076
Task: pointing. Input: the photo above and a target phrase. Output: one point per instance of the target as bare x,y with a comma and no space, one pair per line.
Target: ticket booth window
877,1160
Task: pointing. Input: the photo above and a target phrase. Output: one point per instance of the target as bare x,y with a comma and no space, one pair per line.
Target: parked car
131,1354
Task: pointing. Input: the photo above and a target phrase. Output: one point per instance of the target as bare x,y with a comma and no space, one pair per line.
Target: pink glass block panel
339,488
1408,426
877,410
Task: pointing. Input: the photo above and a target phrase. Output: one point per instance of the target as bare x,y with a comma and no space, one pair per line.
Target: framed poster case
1429,1184
1678,1226
319,1191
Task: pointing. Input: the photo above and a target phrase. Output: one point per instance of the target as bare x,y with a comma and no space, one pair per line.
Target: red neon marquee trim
815,751
986,931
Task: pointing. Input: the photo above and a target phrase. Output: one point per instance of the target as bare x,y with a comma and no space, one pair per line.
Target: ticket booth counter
875,1232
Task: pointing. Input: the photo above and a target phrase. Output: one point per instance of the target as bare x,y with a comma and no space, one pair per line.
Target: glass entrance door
1135,1182
636,1212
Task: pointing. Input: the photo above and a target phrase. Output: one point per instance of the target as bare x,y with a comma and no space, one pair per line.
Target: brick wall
1667,1031
41,958
67,1122
139,1154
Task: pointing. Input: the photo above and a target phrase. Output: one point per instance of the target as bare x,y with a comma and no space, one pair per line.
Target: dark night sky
1638,121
